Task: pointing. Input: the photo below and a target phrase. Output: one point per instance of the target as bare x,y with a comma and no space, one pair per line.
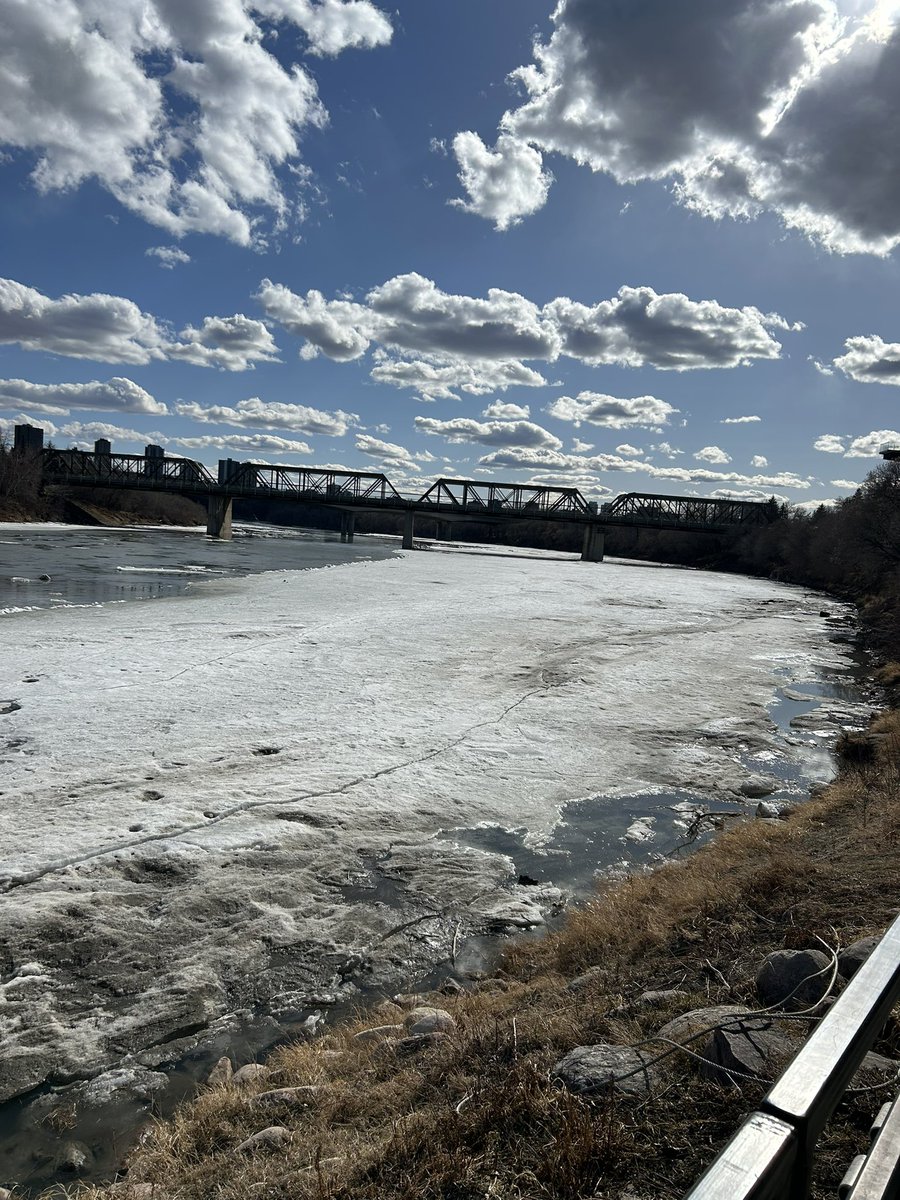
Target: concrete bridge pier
348,524
594,543
409,523
218,517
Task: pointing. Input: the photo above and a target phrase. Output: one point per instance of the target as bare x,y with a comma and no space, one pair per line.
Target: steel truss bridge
446,500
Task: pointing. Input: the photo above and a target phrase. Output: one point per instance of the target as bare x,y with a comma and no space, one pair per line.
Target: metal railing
770,1157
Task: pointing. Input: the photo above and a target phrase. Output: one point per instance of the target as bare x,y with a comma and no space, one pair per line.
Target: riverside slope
206,791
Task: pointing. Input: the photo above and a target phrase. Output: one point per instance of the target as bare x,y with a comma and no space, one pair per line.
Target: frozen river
219,808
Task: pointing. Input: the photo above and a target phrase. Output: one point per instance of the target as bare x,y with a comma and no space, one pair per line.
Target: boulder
758,785
272,1138
583,983
851,959
688,1025
750,1048
73,1158
793,979
404,1047
589,1069
771,810
429,1020
221,1074
249,1074
875,1069
289,1097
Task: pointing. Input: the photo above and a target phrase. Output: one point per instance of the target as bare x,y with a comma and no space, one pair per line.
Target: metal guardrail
770,1157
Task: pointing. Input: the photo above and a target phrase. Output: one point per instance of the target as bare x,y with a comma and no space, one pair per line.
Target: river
266,791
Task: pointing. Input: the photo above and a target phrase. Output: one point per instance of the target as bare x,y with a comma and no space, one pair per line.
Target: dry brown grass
477,1115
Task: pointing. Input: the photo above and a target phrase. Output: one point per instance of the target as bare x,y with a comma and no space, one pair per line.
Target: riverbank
473,1108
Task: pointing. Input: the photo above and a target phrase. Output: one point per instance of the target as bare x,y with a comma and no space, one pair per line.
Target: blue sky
642,247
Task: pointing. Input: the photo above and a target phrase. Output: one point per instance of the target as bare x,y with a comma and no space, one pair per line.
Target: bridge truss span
317,485
471,497
647,510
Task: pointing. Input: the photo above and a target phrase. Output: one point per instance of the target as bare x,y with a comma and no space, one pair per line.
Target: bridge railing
697,512
536,501
126,470
771,1155
308,483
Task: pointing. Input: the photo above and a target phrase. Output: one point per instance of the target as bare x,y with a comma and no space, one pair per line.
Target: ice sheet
191,785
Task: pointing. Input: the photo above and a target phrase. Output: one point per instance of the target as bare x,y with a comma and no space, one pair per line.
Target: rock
405,1047
750,1048
5,1194
687,1025
589,1069
221,1074
429,1020
379,1033
274,1137
851,959
758,785
290,1097
73,1158
583,982
249,1074
875,1069
654,998
451,987
793,978
773,811
125,1083
407,999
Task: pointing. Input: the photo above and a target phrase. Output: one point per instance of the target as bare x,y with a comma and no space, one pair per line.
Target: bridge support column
409,522
348,524
594,544
218,517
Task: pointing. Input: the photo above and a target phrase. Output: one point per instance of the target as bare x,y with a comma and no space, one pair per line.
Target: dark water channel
596,837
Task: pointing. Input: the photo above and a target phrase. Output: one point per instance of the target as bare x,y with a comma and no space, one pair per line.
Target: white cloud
489,433
389,452
869,444
666,449
611,412
169,256
260,414
84,434
845,483
525,458
116,395
738,420
580,447
113,329
759,460
98,326
182,113
497,410
229,343
871,360
267,443
504,184
747,106
639,327
627,450
440,343
830,443
712,454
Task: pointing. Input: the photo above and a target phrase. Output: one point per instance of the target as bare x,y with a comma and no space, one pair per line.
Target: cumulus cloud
611,412
626,450
113,329
524,458
738,420
390,452
580,447
182,112
169,256
504,184
229,343
869,444
871,360
497,410
745,106
759,460
84,434
639,327
848,484
666,449
116,395
260,414
489,433
712,454
440,344
97,326
830,443
267,443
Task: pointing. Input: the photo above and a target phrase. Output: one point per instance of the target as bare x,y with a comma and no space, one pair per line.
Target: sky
646,246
